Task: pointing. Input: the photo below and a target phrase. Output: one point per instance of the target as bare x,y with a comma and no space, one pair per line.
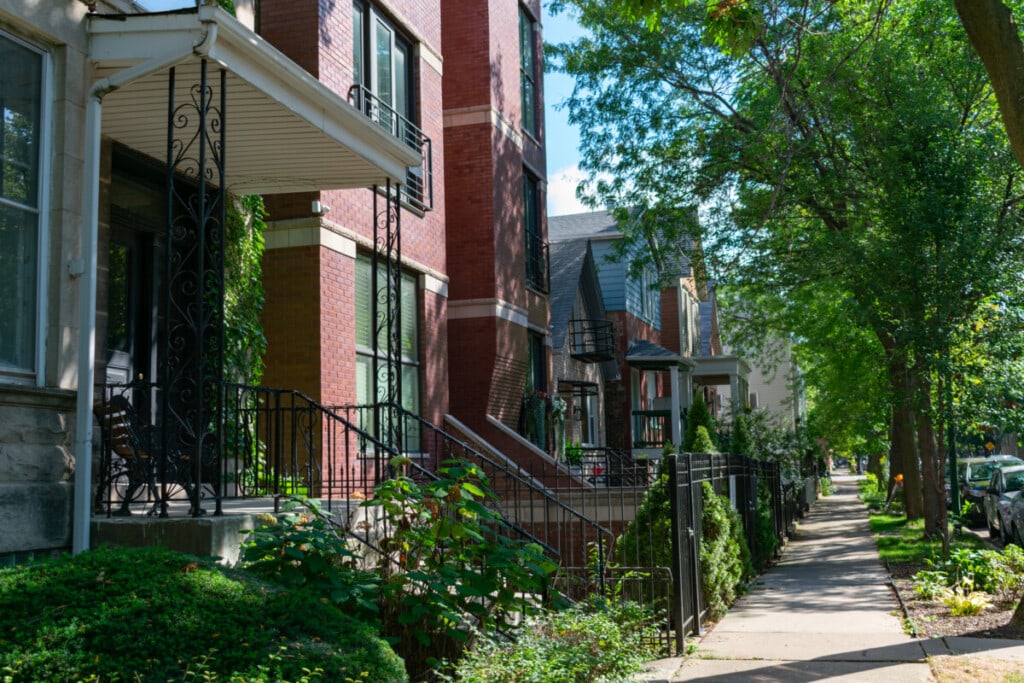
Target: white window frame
37,374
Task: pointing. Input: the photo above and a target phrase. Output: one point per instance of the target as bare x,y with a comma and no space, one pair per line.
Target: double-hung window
370,388
22,202
528,70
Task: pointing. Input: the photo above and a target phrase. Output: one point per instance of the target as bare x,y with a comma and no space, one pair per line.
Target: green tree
840,145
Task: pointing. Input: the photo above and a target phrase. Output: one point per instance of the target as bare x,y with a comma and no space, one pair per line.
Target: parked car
1003,488
974,475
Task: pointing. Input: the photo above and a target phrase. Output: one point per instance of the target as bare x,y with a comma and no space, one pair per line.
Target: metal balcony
418,190
591,341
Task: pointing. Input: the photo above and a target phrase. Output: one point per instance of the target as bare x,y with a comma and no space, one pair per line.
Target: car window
982,471
1014,481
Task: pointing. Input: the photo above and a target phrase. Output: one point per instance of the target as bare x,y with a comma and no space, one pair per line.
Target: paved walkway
825,612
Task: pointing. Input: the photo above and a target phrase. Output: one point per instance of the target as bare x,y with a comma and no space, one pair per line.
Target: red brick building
475,312
386,59
495,185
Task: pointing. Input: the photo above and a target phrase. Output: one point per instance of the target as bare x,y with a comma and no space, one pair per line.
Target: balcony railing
593,341
651,428
418,190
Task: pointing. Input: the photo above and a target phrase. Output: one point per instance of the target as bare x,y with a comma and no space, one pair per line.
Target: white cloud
562,192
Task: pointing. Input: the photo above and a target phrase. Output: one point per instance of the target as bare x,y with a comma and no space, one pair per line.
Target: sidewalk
825,612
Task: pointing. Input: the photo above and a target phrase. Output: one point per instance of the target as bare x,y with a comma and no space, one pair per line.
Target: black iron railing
592,341
418,190
651,428
520,496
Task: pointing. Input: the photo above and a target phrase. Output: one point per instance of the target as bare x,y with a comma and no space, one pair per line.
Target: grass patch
903,542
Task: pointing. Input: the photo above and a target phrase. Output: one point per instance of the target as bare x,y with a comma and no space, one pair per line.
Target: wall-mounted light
318,208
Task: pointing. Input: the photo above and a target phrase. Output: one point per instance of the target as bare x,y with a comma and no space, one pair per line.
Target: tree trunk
992,30
1018,615
935,525
903,450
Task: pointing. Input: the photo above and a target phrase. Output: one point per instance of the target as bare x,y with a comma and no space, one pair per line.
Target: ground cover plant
150,614
972,592
598,642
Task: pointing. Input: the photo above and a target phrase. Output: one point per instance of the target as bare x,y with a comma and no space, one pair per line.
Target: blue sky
563,139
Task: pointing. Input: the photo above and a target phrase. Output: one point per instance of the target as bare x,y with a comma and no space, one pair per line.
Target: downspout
81,512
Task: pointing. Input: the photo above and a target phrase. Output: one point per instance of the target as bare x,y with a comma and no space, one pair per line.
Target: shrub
724,555
446,567
697,416
766,541
598,642
702,442
149,614
646,541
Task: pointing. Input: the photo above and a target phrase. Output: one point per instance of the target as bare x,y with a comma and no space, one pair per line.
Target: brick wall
291,319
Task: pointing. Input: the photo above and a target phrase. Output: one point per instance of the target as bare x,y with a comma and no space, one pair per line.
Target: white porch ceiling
285,131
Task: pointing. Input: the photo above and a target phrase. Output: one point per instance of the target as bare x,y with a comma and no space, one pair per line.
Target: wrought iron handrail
592,340
418,190
525,503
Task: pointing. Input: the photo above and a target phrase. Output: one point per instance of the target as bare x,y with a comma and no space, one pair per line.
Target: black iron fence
278,443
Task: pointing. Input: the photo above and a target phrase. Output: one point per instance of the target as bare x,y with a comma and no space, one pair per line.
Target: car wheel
992,531
1004,537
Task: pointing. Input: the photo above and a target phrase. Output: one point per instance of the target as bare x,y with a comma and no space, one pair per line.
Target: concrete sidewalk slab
824,612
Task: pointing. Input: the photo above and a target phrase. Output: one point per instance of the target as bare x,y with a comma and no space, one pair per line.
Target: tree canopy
852,177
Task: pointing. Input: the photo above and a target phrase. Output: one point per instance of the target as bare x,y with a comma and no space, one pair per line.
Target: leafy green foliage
244,341
602,642
740,442
149,614
447,566
302,548
698,416
645,542
702,442
833,148
766,542
724,555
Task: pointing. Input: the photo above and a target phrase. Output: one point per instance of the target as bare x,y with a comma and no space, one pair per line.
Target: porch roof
285,131
647,354
715,370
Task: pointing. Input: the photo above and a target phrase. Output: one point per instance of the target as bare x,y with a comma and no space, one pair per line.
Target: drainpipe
85,267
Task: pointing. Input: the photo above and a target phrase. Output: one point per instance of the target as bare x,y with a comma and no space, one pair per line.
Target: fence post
695,520
679,540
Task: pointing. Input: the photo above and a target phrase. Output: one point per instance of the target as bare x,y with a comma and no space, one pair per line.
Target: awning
286,131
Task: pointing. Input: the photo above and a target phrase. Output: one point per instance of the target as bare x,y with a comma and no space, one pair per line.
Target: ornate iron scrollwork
387,314
192,365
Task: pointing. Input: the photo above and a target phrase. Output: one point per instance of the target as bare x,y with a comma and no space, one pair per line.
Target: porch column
677,432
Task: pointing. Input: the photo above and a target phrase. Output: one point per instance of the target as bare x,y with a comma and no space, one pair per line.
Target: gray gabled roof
593,225
573,270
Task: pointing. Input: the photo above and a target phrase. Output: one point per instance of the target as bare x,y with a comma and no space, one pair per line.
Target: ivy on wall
244,341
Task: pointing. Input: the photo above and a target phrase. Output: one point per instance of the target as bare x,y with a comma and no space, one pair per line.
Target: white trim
434,285
43,225
484,114
489,308
309,236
